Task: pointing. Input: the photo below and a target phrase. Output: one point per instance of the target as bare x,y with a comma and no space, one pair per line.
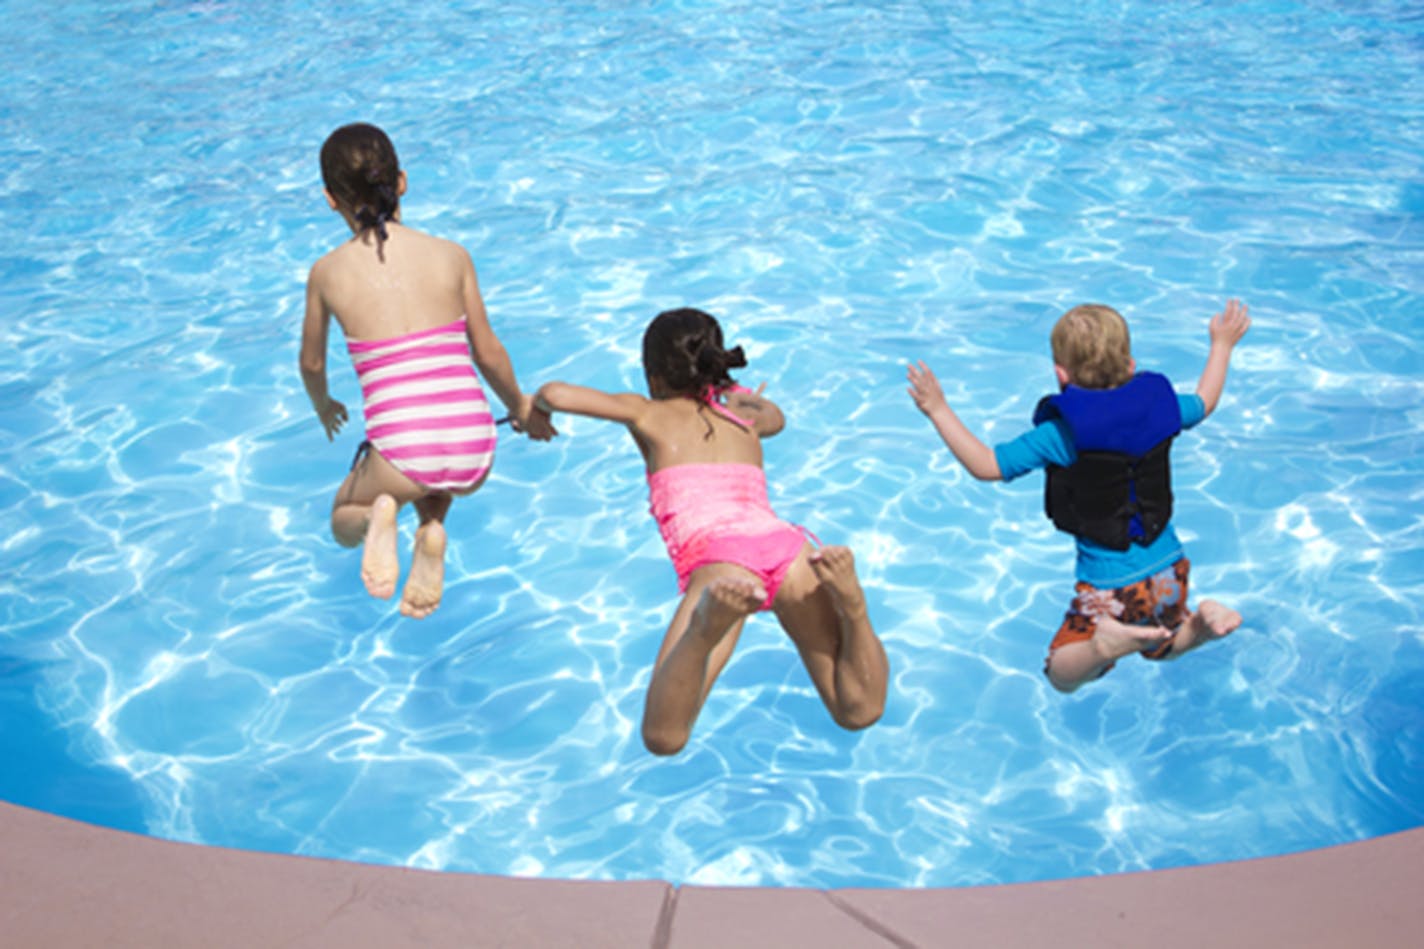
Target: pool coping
67,883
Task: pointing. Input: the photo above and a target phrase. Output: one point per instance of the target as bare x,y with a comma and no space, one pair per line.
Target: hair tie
368,218
708,360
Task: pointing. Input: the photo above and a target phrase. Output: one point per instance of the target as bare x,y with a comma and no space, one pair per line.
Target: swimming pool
188,653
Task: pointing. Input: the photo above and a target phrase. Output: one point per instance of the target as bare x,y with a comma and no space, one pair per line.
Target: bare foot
380,566
1210,621
1216,620
1113,639
835,568
724,601
427,573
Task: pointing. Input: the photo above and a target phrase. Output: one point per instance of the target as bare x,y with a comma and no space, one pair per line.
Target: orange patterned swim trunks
1160,600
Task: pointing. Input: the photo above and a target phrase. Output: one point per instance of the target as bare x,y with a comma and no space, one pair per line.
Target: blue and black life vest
1119,491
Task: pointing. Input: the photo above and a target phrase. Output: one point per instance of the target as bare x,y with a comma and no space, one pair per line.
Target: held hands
534,421
925,389
332,416
1228,326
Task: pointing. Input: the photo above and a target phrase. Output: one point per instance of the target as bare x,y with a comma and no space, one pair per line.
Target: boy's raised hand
925,389
1226,329
1228,326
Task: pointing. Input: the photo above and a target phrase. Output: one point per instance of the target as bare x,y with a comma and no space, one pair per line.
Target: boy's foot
724,601
380,566
1216,620
835,568
1114,639
1210,621
426,583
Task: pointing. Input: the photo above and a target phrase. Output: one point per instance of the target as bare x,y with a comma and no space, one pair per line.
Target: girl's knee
345,533
664,741
859,716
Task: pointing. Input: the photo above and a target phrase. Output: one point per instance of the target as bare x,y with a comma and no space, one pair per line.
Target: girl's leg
364,511
434,507
426,584
822,608
698,643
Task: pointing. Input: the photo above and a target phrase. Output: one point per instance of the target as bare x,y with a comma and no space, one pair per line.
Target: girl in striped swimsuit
700,437
409,305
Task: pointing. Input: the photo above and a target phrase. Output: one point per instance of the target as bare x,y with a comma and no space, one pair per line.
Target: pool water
848,187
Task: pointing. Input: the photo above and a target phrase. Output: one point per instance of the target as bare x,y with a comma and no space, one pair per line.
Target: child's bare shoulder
321,271
440,248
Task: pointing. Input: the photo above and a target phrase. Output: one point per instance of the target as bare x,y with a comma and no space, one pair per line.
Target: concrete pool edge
66,883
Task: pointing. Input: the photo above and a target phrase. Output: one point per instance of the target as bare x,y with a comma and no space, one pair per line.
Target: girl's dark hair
683,348
360,169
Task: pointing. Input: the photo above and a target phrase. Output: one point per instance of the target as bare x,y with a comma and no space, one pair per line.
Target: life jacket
1119,491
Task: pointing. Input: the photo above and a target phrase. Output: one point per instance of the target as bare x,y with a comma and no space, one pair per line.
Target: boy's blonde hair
1091,342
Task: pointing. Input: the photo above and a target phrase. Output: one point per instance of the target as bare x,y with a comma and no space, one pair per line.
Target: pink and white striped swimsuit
426,412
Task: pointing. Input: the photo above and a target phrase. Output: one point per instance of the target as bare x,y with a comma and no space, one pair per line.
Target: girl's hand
1228,326
333,416
925,389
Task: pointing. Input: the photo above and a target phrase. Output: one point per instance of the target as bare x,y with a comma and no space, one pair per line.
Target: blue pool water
848,186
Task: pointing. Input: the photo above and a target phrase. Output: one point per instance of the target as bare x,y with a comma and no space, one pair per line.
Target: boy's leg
1076,663
1210,621
822,608
698,643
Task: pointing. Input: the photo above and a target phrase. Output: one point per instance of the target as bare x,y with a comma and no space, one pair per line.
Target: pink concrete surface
68,884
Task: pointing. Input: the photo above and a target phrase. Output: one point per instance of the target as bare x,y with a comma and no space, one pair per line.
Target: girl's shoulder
328,262
434,243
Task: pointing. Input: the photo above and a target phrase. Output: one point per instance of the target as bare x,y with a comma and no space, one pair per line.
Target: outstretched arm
976,457
625,407
315,326
494,363
1226,330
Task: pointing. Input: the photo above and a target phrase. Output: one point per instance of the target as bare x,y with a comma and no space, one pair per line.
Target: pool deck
65,883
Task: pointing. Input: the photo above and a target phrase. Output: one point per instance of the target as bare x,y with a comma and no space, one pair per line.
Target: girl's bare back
682,431
415,282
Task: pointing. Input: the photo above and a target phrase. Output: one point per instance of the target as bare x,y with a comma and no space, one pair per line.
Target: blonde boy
1104,440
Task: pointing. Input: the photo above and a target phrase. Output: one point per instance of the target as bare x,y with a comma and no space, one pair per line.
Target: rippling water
185,650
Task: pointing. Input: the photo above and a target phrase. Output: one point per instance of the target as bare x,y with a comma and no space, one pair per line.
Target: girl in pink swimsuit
409,305
700,436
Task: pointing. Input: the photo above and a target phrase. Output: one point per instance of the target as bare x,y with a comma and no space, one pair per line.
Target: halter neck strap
712,399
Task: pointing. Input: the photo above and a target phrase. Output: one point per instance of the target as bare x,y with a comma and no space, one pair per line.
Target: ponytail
683,348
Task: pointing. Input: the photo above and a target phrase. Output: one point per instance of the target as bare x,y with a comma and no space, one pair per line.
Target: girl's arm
315,326
1226,330
493,362
976,457
626,408
764,414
